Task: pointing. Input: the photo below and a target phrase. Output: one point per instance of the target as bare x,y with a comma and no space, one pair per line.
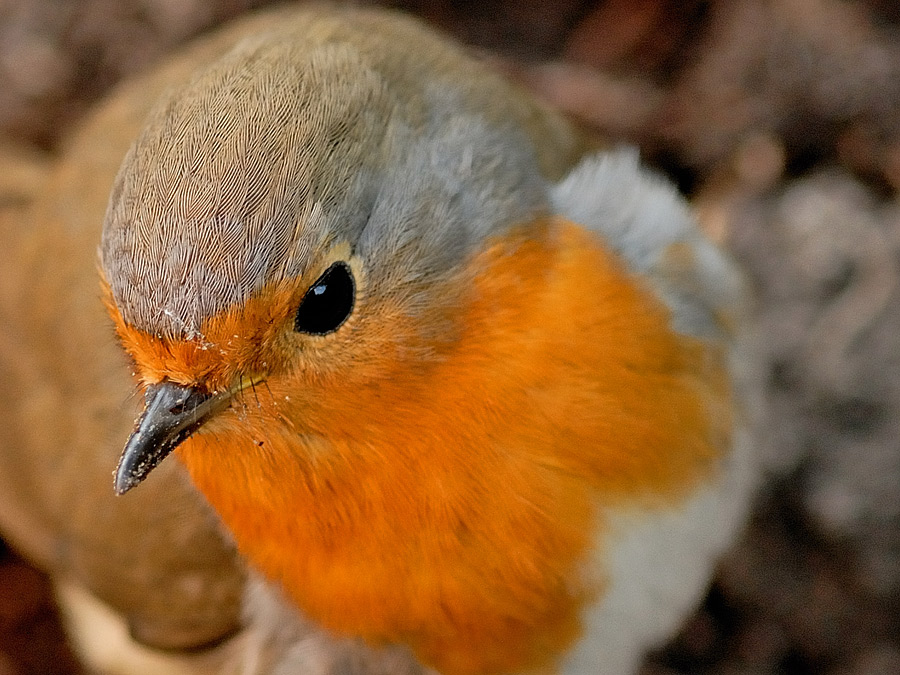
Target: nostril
178,408
188,403
184,402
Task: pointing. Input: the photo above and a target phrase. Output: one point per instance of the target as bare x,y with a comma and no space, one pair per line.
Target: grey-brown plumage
278,138
321,129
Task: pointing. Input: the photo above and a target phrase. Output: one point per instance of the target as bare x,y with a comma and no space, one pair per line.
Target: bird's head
294,223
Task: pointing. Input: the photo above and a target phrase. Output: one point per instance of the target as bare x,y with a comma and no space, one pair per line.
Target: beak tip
124,477
123,485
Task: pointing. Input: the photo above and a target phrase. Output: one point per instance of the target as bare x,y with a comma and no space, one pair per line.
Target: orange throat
453,505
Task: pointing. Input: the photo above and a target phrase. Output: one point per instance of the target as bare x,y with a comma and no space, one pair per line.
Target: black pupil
327,303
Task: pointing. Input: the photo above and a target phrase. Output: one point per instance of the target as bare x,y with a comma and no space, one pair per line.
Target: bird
456,382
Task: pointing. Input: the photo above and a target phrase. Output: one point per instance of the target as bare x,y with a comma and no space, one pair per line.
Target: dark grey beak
172,412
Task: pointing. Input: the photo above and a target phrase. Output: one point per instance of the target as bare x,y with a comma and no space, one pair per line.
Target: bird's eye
328,302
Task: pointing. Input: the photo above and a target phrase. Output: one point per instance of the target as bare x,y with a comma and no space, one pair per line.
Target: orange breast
448,504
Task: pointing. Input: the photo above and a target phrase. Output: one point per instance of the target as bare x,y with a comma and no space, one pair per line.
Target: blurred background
781,122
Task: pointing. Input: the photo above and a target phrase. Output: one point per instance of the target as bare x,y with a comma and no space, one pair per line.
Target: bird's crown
302,139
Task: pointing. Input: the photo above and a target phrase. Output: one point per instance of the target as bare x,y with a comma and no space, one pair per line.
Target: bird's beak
172,412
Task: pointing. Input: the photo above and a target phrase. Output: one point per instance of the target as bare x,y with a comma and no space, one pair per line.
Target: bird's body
511,439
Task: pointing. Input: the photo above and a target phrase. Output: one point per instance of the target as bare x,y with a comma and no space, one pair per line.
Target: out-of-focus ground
781,121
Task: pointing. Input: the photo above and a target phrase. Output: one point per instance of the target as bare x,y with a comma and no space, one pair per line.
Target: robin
453,383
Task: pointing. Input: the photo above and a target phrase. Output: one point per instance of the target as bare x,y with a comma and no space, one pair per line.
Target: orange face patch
444,498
